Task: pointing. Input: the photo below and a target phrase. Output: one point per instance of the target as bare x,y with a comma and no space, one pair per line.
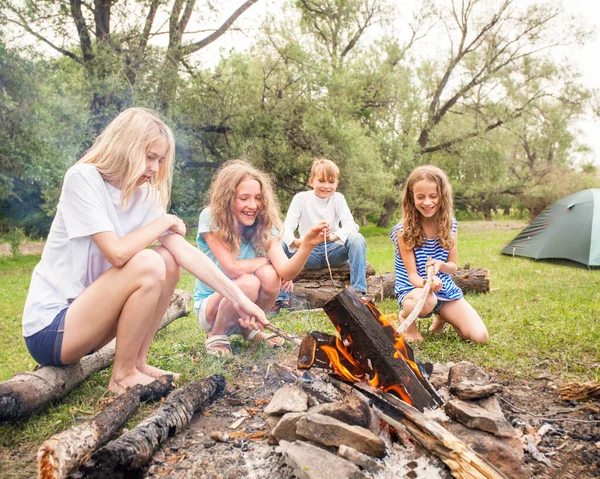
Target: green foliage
15,237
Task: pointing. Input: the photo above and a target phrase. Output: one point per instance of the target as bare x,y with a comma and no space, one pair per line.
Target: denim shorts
436,309
45,345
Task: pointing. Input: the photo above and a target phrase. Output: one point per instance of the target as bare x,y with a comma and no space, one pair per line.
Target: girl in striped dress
428,230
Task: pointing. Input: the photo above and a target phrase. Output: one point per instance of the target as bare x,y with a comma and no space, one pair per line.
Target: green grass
542,317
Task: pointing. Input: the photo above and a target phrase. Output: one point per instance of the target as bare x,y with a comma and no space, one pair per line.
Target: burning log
63,452
135,448
460,458
26,393
368,342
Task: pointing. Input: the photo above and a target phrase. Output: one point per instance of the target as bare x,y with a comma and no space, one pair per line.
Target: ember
367,349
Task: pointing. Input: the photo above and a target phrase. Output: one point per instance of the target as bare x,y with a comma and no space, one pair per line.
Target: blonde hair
413,234
222,194
327,168
119,153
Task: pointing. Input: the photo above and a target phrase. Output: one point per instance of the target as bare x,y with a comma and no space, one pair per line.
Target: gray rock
312,462
484,414
331,432
439,375
286,428
289,398
360,459
352,411
465,371
472,390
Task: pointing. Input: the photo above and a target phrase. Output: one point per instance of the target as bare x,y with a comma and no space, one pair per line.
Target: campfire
368,349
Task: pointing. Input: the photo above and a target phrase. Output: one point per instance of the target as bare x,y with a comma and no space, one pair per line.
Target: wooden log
134,448
463,461
371,344
63,452
476,280
26,393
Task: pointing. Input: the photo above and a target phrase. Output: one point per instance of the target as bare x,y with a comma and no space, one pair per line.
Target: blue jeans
353,250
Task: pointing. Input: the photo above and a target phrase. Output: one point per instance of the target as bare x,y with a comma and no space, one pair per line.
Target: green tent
568,229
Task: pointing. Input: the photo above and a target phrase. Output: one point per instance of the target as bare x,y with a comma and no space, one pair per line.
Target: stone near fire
289,398
505,453
483,414
439,375
312,462
360,459
472,390
286,428
352,411
465,371
331,432
272,421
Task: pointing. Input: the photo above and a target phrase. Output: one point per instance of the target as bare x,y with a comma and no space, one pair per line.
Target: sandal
218,345
272,339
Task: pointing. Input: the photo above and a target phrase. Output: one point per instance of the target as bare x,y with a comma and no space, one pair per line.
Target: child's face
323,187
248,202
155,155
426,197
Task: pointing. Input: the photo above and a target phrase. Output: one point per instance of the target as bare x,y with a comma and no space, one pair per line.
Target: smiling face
322,186
426,197
248,202
155,155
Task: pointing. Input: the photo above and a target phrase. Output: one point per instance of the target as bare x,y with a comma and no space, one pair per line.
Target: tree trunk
26,393
133,449
389,207
63,452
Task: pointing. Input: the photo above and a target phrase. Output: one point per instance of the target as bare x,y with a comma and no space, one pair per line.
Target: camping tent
568,229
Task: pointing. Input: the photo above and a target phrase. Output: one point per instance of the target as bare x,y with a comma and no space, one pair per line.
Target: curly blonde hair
222,194
119,153
413,234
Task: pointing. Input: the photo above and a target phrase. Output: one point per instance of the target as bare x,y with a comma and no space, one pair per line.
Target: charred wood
133,449
63,452
26,393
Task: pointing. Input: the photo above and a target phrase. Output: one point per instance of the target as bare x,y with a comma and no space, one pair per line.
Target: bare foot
438,325
156,372
120,385
412,334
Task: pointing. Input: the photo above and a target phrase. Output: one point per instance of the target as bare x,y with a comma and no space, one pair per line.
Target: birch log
64,451
119,458
26,393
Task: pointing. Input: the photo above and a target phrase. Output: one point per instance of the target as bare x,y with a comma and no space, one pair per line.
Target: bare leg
437,325
270,283
132,292
412,334
465,320
173,273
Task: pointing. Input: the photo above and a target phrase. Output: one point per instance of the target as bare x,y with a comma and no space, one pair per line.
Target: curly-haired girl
239,232
428,230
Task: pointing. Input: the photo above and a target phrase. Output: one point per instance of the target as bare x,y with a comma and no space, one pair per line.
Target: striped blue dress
431,247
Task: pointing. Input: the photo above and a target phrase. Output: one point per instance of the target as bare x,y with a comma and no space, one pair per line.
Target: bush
15,237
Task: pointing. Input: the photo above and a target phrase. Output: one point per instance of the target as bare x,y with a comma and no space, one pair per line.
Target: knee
249,284
172,268
479,336
149,266
269,279
355,240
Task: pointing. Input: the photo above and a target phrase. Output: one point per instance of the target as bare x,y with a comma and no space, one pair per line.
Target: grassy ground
542,317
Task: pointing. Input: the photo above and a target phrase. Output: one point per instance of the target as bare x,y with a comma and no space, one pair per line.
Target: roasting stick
419,306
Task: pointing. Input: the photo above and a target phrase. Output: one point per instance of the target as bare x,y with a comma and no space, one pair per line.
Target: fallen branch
26,393
63,452
419,306
135,447
281,333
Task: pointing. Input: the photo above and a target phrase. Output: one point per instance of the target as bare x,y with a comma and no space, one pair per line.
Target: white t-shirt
307,209
71,261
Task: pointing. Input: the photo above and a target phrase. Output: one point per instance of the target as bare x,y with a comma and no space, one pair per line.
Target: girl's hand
251,316
437,265
436,284
316,234
178,226
287,286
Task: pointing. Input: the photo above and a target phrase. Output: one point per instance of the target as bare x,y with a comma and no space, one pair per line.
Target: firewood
372,346
134,448
463,461
26,393
579,391
63,452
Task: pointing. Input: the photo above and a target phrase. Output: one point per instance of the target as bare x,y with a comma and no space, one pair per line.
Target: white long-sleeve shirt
307,209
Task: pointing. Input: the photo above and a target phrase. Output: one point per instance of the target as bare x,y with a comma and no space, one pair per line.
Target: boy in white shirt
344,242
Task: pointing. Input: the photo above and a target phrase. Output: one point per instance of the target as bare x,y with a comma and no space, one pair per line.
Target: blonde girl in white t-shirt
96,279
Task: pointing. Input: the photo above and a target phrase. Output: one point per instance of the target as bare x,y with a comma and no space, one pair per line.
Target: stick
419,306
282,334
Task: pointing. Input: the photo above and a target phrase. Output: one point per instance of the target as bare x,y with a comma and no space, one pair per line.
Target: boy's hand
316,234
331,237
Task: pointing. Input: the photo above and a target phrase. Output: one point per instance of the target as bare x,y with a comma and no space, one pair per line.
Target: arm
290,224
232,266
410,263
450,266
288,268
344,216
119,250
197,263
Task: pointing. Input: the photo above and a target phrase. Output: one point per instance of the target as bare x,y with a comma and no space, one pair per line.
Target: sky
584,58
